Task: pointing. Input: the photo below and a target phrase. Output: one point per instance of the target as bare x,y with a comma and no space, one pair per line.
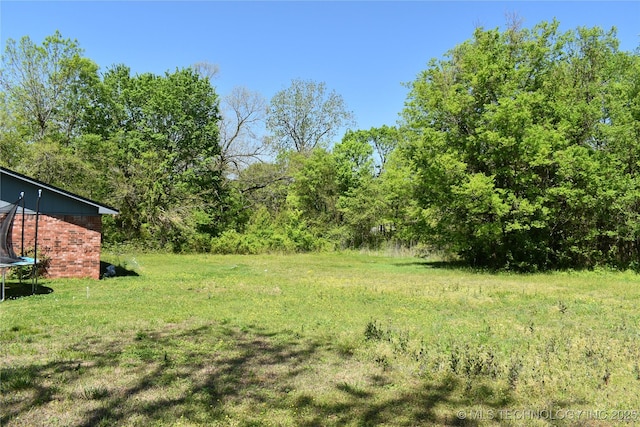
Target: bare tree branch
243,114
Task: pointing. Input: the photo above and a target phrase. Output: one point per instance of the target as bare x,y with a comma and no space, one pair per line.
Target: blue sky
363,50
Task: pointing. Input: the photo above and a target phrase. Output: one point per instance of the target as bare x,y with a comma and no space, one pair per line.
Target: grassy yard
320,340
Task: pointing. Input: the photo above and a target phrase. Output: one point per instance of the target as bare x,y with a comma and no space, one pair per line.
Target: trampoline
8,257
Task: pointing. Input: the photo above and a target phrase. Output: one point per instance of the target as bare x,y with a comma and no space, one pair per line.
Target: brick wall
71,243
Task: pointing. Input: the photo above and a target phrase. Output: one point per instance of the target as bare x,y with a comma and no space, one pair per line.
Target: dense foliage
525,147
518,149
145,144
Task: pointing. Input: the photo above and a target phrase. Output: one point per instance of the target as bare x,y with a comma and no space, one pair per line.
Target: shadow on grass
15,289
524,270
119,270
216,374
446,265
468,268
442,265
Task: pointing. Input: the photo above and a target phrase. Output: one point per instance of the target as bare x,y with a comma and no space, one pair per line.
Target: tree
47,93
305,116
383,141
314,190
362,211
12,148
48,86
243,112
265,184
354,160
206,70
397,184
375,185
162,134
513,139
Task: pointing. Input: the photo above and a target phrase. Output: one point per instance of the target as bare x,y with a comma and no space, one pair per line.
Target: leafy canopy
516,139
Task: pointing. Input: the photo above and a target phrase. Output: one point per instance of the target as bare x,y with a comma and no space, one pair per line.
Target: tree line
518,149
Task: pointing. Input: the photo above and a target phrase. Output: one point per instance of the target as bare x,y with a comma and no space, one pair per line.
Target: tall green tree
47,92
511,139
305,116
48,86
354,160
383,141
358,201
162,132
314,190
12,148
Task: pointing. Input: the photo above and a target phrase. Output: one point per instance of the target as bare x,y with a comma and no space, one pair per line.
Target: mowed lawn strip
320,339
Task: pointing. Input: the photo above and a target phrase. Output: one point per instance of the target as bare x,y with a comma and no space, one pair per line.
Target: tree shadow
215,373
116,270
442,265
416,406
465,266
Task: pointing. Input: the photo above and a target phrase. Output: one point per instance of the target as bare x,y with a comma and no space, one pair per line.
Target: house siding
71,243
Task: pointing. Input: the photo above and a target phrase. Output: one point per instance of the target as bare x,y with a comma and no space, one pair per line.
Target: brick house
69,226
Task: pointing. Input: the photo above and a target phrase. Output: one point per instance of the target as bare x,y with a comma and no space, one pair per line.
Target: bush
288,233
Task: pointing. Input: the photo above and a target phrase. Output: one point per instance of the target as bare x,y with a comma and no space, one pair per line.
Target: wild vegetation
327,339
516,150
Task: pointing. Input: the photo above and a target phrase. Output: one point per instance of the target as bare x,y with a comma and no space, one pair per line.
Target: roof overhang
101,209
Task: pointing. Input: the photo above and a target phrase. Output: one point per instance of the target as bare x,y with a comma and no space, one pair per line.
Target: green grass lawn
322,339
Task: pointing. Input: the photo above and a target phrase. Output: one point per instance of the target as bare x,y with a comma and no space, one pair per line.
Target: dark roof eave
102,209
